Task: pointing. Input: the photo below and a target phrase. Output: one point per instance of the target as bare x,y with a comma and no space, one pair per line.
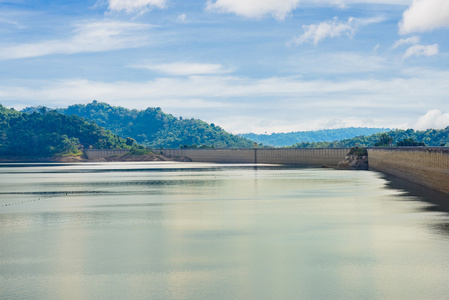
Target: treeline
46,133
409,137
154,128
325,135
38,131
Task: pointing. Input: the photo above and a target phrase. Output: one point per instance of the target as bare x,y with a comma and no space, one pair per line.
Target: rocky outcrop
356,159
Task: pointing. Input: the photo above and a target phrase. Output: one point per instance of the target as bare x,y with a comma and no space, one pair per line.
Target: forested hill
326,135
399,137
154,128
48,133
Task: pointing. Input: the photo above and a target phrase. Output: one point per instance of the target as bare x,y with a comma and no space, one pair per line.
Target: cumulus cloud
333,28
135,6
87,37
279,9
408,41
185,68
421,50
425,15
432,119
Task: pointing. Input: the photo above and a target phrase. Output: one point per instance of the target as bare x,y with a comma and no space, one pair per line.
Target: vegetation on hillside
48,133
326,135
356,151
153,128
409,137
384,140
411,142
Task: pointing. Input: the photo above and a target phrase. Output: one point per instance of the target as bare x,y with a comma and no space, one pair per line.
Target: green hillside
325,135
430,137
49,133
154,128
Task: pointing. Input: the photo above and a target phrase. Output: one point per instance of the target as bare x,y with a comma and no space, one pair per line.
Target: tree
384,140
46,133
154,128
409,142
130,141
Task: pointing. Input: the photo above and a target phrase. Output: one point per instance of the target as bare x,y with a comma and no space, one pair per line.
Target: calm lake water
208,231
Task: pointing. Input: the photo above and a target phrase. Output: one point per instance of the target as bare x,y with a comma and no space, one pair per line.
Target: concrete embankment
95,154
425,166
309,157
421,165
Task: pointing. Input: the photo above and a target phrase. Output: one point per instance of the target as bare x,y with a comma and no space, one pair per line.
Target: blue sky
247,65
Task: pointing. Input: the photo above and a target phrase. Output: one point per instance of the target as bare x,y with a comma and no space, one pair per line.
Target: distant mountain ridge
325,135
154,128
398,137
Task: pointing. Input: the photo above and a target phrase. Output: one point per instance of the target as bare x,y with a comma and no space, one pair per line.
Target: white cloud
87,37
182,18
9,22
238,103
333,28
421,50
318,32
348,63
344,3
185,68
279,9
432,119
425,15
135,6
408,41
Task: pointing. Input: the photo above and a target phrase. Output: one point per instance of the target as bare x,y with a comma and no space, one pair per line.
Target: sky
257,66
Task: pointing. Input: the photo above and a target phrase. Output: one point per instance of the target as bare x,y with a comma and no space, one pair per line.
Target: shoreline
72,158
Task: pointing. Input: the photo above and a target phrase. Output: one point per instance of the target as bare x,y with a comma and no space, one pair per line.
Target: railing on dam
297,156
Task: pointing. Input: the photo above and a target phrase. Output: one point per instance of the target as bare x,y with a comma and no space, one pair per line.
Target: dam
427,166
289,156
95,154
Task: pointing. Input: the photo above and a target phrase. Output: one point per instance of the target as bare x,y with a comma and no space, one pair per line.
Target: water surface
208,231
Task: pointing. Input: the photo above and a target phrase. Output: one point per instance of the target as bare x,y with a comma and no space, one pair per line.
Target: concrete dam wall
312,157
94,154
425,166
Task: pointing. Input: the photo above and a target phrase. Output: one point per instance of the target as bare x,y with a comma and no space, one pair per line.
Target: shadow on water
439,202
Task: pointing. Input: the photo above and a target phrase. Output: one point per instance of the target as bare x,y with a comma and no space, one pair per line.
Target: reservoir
170,230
